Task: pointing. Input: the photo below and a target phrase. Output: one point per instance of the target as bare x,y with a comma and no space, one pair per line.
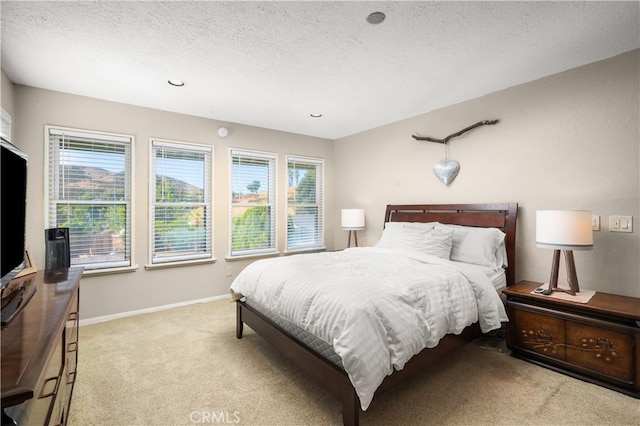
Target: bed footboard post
239,323
350,408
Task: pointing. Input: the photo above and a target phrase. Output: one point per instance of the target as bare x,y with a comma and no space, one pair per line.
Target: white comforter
377,307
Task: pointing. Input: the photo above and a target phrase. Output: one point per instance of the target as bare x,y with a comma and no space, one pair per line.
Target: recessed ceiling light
315,115
376,18
177,83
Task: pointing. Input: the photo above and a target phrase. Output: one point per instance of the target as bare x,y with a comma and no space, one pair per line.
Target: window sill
252,256
165,265
109,271
307,250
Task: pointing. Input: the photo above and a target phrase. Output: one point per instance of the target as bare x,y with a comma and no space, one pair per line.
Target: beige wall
569,141
116,293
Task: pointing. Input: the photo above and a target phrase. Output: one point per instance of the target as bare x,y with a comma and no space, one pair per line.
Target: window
305,203
89,186
253,208
5,125
180,208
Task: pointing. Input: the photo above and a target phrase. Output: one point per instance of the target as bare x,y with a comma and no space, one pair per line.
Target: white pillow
390,234
392,231
436,242
501,256
423,239
420,225
480,246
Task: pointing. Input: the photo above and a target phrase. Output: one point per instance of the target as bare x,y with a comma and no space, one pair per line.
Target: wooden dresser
40,350
598,341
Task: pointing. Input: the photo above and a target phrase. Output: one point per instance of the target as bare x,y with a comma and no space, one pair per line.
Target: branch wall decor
447,170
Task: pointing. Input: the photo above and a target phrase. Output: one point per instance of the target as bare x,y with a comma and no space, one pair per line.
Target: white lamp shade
564,229
352,219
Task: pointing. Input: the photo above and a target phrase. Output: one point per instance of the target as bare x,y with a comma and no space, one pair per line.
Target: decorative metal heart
446,170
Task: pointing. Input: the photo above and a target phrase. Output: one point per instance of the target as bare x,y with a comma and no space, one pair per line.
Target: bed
319,323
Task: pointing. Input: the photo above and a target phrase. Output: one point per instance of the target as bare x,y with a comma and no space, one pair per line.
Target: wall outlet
228,271
620,223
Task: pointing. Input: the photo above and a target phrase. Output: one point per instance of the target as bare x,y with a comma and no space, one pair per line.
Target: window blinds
180,208
305,203
253,207
89,192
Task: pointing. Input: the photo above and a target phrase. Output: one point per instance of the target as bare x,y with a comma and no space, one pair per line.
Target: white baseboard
104,318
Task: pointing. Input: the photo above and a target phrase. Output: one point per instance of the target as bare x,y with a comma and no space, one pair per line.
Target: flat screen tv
13,208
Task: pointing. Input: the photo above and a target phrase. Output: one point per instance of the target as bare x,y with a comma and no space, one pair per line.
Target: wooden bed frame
335,379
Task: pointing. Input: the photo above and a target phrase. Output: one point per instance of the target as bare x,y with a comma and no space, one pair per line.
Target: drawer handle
73,316
55,387
72,347
71,378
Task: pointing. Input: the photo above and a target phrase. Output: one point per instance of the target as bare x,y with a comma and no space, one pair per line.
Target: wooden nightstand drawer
598,341
605,351
538,333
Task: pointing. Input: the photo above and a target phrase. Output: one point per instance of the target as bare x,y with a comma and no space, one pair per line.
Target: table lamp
352,221
564,230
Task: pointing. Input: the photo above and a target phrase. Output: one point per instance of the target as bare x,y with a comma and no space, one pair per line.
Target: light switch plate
595,222
620,223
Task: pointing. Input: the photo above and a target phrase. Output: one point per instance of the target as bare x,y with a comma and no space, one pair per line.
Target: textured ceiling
271,64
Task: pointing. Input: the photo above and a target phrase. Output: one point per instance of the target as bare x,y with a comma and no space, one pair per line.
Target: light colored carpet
184,366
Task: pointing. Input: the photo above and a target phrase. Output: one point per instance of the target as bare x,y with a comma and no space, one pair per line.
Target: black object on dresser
57,249
40,350
598,341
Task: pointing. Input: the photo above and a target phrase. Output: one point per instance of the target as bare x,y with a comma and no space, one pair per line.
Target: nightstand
598,341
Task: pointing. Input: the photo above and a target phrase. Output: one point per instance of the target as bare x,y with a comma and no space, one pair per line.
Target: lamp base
572,277
355,236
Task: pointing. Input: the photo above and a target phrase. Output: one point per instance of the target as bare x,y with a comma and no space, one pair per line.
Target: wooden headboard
501,216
